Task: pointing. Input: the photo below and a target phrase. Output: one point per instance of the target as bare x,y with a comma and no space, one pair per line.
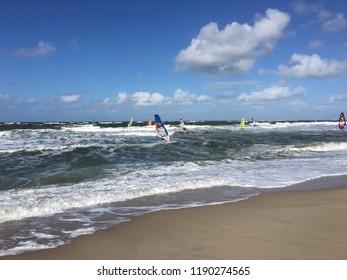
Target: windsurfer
160,128
157,127
342,121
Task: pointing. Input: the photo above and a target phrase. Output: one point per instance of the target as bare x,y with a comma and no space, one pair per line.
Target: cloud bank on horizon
287,63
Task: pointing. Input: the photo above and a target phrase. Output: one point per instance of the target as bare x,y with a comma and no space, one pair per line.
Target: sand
310,225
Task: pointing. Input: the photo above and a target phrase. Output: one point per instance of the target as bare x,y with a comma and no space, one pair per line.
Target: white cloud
144,99
69,98
42,49
203,98
304,8
122,97
328,21
298,103
337,98
316,44
305,66
222,84
234,49
336,24
270,94
185,97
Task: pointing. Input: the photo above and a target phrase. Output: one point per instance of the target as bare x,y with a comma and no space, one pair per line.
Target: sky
110,60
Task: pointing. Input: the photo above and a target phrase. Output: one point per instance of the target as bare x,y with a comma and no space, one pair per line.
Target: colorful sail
242,123
161,129
130,122
342,121
253,122
182,124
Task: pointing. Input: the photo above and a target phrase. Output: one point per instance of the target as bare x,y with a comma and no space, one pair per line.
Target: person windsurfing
182,124
157,127
242,123
342,121
161,129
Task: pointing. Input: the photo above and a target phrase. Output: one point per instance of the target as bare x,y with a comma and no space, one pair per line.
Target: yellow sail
242,123
130,122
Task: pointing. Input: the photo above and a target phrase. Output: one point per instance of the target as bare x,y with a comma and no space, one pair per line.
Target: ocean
62,180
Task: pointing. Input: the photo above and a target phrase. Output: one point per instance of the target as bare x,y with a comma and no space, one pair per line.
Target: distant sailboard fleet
163,133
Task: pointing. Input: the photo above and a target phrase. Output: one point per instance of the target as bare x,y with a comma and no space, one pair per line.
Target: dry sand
292,225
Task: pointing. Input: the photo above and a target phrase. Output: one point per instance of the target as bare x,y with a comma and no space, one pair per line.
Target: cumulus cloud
271,94
122,97
42,49
144,99
70,98
234,49
304,66
185,97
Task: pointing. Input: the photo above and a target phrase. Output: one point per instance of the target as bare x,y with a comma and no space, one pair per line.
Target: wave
317,147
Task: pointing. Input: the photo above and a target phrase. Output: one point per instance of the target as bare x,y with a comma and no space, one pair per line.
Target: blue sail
161,125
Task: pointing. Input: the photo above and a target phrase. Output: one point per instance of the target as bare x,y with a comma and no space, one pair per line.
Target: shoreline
289,225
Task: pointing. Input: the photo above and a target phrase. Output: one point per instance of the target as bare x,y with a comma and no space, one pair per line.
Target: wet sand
310,225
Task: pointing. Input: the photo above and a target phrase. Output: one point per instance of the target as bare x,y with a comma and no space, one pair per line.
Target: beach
304,225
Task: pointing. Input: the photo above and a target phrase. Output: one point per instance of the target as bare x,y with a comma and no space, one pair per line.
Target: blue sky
74,60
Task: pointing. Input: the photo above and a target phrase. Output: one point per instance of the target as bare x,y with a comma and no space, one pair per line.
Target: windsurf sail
342,121
182,124
242,123
130,122
253,122
161,129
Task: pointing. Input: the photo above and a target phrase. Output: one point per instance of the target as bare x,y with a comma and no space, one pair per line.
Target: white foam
29,245
319,147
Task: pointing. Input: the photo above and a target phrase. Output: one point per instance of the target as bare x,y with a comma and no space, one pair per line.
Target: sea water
62,180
